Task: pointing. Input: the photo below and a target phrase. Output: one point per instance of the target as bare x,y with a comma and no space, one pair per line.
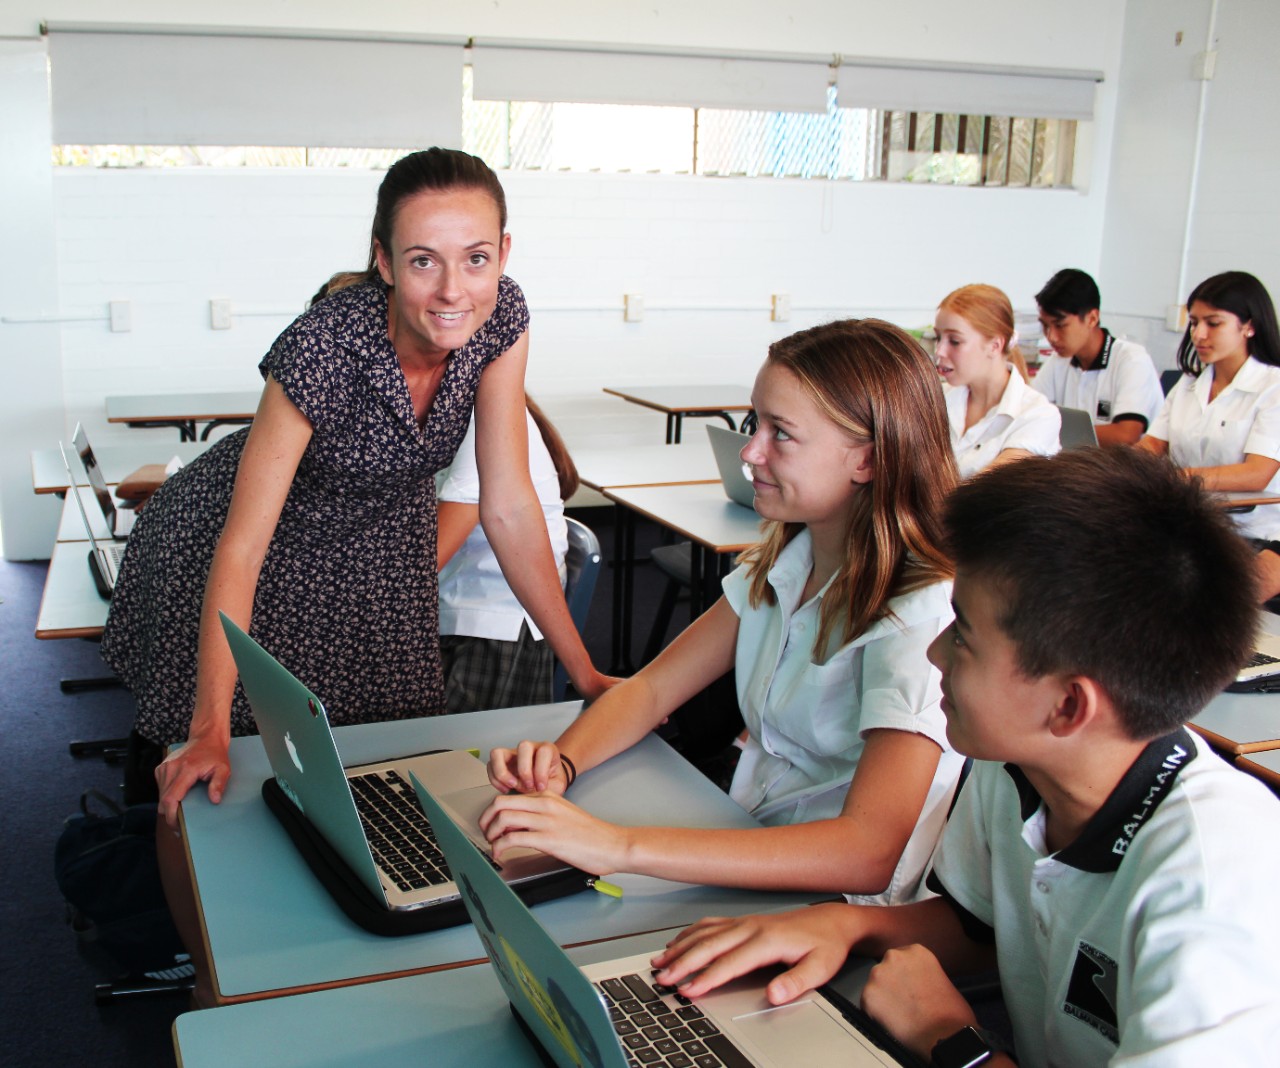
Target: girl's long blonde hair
874,381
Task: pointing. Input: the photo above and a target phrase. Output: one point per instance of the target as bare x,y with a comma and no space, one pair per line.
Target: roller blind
188,89
1046,95
602,77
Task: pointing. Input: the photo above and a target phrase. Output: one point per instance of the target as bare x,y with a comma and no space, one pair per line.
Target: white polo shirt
475,599
1243,418
1122,381
1023,419
806,721
1149,942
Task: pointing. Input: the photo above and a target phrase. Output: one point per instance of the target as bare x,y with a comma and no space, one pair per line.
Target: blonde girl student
826,622
994,415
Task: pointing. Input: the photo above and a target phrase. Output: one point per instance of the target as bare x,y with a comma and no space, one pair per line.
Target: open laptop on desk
360,828
727,446
119,520
612,1014
104,557
1261,673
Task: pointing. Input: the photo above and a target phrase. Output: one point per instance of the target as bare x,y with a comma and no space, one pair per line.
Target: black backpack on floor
106,868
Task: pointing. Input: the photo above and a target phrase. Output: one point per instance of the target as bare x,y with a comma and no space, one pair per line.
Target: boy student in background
1113,380
1120,874
826,622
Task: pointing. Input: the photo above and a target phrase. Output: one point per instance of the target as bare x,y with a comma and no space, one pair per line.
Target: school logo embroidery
1091,994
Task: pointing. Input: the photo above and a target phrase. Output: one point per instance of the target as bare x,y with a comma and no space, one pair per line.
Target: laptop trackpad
467,806
802,1034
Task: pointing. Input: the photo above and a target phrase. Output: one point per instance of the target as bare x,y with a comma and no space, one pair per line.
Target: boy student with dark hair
1111,379
1120,874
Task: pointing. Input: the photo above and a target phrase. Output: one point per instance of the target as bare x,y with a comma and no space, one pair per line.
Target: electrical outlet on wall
632,307
121,317
220,315
1175,318
780,310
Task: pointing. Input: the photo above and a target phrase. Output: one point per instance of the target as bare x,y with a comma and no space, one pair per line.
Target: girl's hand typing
532,767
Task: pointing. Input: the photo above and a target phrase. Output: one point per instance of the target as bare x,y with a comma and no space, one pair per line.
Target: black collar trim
1104,355
1106,838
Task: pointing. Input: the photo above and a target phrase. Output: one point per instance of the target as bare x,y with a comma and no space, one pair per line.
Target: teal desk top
272,928
453,1019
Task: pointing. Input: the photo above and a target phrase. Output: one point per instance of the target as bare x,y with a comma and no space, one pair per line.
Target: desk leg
624,543
221,422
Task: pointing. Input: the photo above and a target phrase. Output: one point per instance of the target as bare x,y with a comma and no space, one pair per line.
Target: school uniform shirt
1149,942
1122,381
475,599
1243,418
1023,419
807,716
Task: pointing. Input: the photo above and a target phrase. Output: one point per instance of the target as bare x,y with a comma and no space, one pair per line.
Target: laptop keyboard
400,838
657,1034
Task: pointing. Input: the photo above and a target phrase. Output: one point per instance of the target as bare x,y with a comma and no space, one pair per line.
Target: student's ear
862,463
1081,702
1092,318
384,262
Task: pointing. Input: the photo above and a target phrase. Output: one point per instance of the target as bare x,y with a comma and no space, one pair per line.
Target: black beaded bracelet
567,764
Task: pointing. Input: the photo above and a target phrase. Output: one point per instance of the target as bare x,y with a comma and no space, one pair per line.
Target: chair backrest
1077,428
1169,379
582,568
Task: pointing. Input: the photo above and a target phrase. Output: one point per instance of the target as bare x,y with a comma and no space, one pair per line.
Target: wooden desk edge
1236,749
674,409
647,485
1265,774
736,547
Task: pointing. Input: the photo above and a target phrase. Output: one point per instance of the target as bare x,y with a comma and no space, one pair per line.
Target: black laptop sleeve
371,913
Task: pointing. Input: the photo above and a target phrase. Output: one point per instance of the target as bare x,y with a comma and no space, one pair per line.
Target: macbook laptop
119,520
727,447
1077,428
368,816
1261,673
614,1015
104,557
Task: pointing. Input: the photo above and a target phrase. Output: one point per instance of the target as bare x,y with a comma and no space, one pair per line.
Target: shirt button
1043,887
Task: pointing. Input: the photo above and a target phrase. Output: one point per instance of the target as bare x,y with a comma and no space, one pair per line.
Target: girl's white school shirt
807,721
1243,418
1023,419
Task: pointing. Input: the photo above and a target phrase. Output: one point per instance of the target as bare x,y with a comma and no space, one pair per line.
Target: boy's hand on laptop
910,995
530,768
815,941
550,824
199,760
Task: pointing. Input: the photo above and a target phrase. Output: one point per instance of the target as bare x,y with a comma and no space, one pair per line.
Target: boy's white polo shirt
1023,419
1122,381
1243,418
1150,941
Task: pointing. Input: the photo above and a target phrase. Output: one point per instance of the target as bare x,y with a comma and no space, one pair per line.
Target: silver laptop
369,814
1077,428
119,520
104,557
613,1014
1261,673
727,446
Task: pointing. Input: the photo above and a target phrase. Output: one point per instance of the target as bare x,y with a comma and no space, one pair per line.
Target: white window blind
1045,95
188,89
603,77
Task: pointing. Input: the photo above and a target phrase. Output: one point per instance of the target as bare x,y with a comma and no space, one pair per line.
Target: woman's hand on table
201,759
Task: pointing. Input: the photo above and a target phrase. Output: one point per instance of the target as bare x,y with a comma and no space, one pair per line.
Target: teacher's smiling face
448,252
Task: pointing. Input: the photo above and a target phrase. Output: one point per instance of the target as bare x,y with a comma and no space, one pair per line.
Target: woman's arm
1251,474
275,444
512,517
855,852
455,523
701,654
1157,446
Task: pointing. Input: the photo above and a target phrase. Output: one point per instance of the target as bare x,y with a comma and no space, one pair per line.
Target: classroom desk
457,1019
270,927
49,473
183,411
1238,723
715,526
678,401
1266,766
646,465
70,606
71,525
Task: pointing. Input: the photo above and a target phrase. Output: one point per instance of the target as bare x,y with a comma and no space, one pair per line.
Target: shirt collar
1251,378
1104,355
1106,838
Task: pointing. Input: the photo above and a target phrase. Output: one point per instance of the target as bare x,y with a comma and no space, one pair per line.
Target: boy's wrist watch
967,1048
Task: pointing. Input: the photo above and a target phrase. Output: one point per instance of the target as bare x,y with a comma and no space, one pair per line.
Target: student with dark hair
493,652
315,528
1119,873
1111,379
825,622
